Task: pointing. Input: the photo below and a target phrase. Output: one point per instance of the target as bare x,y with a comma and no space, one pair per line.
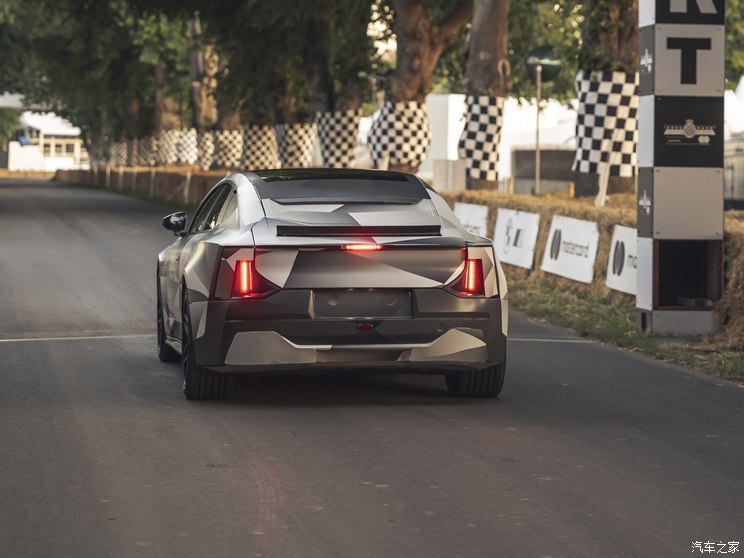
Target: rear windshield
334,188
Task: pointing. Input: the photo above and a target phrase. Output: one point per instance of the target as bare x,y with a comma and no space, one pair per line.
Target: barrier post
680,160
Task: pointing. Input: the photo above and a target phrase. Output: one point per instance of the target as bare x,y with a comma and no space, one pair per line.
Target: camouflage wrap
392,308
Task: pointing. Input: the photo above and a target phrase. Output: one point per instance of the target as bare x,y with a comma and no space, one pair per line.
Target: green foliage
92,61
544,22
734,41
611,319
9,123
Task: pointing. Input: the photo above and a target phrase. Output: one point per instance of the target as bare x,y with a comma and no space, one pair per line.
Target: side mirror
175,222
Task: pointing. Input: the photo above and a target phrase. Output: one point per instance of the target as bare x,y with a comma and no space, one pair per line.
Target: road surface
590,451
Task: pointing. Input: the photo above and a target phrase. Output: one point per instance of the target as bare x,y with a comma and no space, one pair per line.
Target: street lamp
543,67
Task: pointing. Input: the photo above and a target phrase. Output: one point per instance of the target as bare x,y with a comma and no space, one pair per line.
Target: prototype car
298,270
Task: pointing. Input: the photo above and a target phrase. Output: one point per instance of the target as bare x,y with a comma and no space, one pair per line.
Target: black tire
486,382
166,353
198,382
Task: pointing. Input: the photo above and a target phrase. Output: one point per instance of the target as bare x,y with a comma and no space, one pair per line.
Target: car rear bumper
281,332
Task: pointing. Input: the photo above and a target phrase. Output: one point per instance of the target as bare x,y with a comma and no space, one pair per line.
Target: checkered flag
338,133
296,143
168,147
188,147
206,150
260,150
400,134
229,148
479,142
607,122
119,154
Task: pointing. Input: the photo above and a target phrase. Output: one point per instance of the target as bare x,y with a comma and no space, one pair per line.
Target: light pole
537,129
543,66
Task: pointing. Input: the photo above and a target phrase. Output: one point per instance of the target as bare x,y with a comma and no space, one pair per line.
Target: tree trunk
229,118
167,111
354,60
202,71
320,84
488,78
288,104
420,44
131,119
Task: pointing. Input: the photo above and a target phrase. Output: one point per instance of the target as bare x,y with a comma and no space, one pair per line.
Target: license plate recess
362,303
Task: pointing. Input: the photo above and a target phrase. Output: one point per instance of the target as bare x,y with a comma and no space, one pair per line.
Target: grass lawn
612,320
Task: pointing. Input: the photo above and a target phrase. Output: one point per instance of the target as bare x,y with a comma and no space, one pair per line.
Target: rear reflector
362,247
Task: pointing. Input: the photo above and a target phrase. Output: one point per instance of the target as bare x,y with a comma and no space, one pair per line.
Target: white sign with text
622,268
572,249
473,217
515,237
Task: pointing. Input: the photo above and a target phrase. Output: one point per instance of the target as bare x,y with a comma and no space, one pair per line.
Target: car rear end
356,280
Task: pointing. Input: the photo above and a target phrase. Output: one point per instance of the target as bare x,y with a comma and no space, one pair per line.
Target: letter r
703,6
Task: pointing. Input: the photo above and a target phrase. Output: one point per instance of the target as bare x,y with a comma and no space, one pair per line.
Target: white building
46,142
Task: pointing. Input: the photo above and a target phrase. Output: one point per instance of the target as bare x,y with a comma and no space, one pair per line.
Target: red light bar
473,282
245,277
362,247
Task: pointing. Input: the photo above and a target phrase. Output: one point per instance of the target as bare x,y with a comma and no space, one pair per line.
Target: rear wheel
198,382
166,353
486,382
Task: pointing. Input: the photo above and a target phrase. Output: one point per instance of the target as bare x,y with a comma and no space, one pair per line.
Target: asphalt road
590,451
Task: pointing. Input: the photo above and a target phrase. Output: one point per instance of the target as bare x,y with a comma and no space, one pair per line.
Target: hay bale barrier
169,185
621,211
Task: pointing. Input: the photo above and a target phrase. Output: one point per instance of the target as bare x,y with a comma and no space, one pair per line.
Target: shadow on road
340,390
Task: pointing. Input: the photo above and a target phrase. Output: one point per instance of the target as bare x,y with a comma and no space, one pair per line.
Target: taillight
471,282
248,283
474,277
367,247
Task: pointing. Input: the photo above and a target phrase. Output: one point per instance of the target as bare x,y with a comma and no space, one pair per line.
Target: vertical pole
537,130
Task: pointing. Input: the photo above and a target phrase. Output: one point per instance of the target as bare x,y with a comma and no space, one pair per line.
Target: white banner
515,237
473,217
622,268
572,249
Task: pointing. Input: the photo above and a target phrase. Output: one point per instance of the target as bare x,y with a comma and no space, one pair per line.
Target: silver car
298,270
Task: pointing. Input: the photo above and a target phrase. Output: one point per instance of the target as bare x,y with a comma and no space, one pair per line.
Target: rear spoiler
356,230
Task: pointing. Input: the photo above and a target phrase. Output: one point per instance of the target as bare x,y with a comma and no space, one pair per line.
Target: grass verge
612,319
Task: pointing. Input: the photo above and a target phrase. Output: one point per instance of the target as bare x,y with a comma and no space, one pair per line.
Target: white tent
48,123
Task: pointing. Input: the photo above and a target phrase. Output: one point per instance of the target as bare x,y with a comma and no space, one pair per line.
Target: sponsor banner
473,217
622,267
572,249
515,237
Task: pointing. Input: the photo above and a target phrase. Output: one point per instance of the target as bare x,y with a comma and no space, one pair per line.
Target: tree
545,22
203,69
423,31
488,82
610,36
734,42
